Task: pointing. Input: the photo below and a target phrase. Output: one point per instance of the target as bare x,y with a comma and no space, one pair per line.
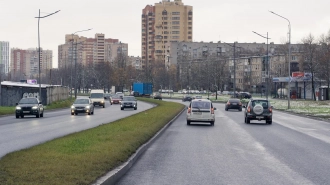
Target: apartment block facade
4,57
252,69
165,22
90,51
25,63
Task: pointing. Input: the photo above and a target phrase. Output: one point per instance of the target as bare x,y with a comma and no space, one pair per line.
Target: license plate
259,117
197,113
234,103
80,109
26,111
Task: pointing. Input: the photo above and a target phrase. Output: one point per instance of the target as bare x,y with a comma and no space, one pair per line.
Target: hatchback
233,104
200,110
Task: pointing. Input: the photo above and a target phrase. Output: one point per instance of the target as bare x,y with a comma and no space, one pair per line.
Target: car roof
202,100
252,99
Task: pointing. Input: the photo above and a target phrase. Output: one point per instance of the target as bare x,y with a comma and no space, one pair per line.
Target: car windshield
97,95
116,96
81,101
129,98
28,101
201,105
263,103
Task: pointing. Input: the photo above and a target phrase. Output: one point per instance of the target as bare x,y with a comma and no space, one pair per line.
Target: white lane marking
255,148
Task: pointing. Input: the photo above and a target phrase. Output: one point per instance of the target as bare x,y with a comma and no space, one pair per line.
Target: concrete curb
114,175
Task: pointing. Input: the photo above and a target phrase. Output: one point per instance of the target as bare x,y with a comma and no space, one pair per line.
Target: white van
97,97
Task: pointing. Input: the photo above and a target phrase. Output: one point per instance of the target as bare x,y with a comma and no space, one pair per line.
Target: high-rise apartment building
4,57
90,51
25,63
166,21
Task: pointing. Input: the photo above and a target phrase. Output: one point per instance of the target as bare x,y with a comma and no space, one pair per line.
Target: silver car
128,102
82,105
201,110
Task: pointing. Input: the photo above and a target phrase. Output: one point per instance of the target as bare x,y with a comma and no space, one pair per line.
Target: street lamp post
234,84
72,58
267,61
39,47
289,57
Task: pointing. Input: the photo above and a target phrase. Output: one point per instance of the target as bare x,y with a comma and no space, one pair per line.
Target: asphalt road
17,134
293,150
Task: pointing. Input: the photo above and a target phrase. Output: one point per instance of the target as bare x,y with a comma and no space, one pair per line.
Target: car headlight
72,107
34,107
18,108
87,107
102,101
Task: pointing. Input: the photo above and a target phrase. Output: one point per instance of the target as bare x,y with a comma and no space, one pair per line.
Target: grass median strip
81,158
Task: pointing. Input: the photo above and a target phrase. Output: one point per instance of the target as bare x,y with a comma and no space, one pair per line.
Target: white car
201,110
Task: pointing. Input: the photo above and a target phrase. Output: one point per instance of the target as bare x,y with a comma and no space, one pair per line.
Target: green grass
83,157
55,105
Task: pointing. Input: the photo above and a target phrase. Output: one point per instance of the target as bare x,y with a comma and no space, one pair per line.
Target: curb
114,175
303,115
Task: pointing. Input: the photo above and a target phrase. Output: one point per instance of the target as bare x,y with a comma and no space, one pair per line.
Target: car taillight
212,110
240,103
228,103
249,109
189,110
270,109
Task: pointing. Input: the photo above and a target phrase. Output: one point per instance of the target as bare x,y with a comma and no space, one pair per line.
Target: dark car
187,98
107,95
245,95
233,104
158,96
115,99
82,105
128,102
258,109
29,106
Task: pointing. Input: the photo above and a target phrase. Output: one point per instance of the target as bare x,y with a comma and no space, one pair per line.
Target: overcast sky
213,20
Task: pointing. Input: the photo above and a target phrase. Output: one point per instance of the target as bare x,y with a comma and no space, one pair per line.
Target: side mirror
40,102
214,108
105,97
244,106
16,103
272,106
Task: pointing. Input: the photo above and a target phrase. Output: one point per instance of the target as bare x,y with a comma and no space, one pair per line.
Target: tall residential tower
166,21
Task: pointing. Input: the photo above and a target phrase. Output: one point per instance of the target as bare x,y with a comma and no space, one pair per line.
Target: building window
175,27
293,58
175,37
189,23
189,28
189,37
164,12
175,22
175,18
189,32
189,18
175,32
175,13
164,18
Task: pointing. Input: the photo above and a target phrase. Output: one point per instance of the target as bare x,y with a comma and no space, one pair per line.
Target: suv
201,110
29,106
258,109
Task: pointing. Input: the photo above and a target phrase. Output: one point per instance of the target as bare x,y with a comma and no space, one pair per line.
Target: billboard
31,81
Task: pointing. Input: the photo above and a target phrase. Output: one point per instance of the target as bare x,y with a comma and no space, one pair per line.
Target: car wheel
269,121
42,114
121,108
72,113
247,120
89,113
212,123
76,113
226,109
22,116
188,122
103,106
92,112
135,108
17,116
240,110
244,119
38,115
